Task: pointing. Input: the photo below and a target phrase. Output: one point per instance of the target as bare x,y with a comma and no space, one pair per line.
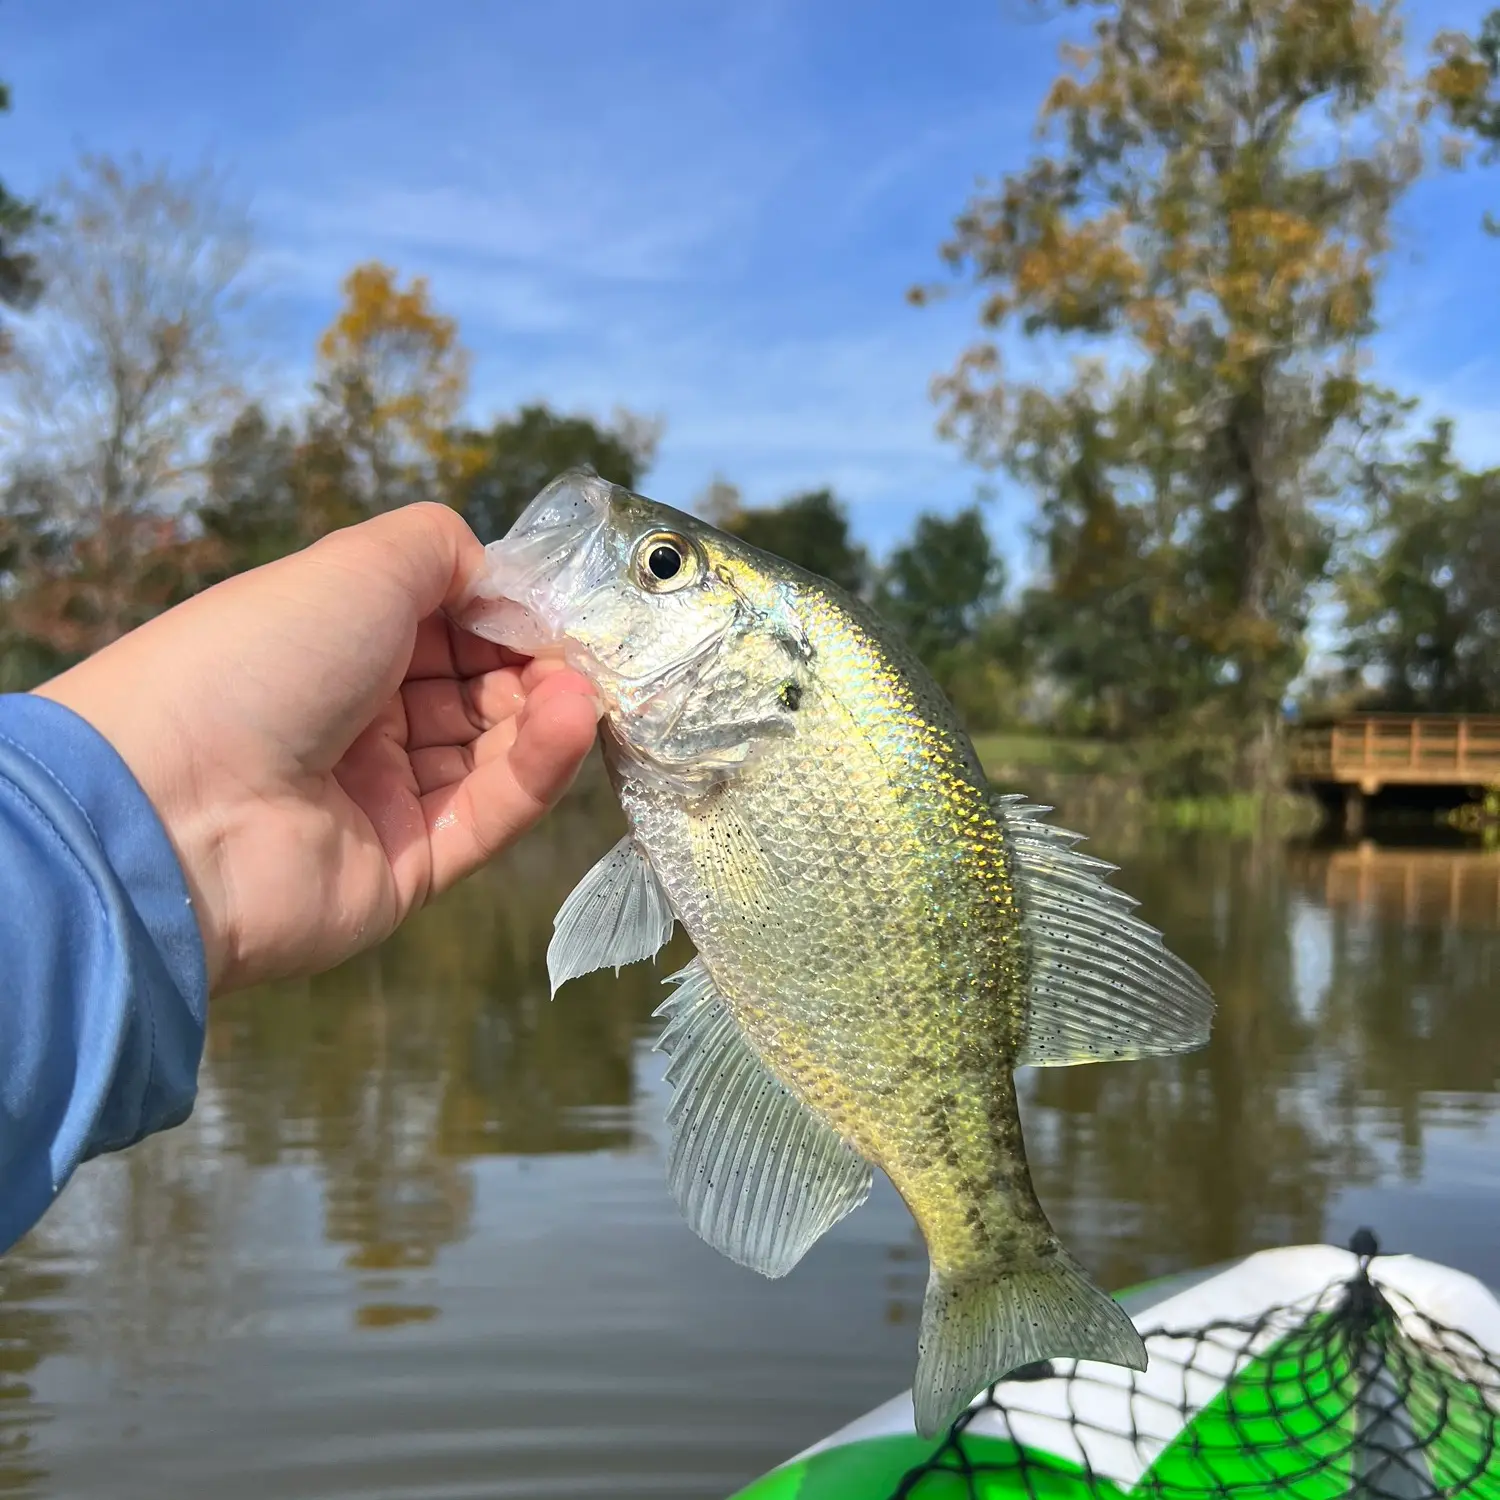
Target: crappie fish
881,937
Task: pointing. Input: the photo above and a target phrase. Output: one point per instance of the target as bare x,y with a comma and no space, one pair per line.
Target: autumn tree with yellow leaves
1208,219
1464,83
392,379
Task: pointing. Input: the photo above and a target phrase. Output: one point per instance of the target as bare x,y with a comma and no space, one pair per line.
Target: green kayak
1309,1371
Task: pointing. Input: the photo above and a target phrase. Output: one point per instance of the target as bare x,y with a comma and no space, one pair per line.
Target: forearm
104,992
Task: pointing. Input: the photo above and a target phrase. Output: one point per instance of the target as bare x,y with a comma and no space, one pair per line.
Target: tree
1464,81
939,587
1125,627
116,391
720,501
392,379
519,455
20,283
249,502
810,530
70,588
942,590
30,550
269,491
1422,599
1214,207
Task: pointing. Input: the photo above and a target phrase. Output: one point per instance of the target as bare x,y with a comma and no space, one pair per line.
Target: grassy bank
1106,777
1094,785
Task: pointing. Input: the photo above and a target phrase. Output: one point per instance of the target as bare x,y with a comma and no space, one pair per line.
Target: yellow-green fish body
853,897
880,938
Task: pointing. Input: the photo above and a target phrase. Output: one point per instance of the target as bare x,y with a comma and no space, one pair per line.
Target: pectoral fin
618,914
753,1170
730,858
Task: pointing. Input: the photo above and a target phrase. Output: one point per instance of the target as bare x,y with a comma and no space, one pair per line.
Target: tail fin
977,1332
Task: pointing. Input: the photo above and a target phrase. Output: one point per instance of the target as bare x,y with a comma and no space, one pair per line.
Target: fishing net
1350,1391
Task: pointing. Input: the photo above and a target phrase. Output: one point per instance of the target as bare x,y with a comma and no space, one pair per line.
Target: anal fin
754,1171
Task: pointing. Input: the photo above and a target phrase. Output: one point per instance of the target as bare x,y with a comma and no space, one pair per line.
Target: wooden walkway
1368,752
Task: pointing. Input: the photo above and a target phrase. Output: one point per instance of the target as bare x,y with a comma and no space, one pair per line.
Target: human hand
326,750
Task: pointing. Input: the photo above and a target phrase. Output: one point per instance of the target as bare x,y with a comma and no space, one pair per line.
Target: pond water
416,1239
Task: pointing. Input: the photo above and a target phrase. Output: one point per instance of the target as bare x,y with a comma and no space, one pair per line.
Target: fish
882,938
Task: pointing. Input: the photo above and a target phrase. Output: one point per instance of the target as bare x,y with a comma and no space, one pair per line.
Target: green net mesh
1353,1391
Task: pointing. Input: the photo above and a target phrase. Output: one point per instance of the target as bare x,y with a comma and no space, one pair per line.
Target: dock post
1354,811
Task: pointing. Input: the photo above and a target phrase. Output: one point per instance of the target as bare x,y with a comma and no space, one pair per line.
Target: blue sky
706,211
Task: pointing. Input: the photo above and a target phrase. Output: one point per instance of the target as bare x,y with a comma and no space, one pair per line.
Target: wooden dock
1372,751
1360,756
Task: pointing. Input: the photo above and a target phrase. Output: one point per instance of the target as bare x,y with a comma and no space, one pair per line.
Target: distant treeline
1213,474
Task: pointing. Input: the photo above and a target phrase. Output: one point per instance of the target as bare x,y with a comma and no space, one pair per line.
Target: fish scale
881,938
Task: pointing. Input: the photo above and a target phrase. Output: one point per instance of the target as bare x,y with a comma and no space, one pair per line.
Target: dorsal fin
1103,985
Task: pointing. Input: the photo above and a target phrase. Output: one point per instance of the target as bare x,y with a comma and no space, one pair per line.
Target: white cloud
596,229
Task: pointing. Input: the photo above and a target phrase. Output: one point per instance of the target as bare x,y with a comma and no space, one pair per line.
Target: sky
706,212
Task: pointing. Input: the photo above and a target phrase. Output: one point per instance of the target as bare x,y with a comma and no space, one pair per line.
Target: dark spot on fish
791,696
918,1065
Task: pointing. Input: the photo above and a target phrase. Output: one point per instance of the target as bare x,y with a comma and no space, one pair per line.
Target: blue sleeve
104,991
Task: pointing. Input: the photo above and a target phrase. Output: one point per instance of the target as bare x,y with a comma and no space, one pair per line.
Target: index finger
443,649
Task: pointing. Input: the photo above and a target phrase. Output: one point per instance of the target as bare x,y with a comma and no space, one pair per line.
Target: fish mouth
520,597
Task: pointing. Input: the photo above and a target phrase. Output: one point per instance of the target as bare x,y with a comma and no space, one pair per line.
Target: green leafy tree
519,455
33,547
942,585
1422,599
269,490
249,500
1127,627
942,590
1194,214
811,530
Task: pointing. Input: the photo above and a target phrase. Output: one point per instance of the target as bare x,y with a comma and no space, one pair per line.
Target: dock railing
1374,750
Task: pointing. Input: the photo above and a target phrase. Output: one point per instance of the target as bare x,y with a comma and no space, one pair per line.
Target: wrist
163,768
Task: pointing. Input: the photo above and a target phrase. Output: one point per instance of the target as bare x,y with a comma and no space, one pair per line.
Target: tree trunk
1252,562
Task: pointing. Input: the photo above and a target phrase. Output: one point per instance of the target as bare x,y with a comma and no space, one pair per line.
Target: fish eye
664,561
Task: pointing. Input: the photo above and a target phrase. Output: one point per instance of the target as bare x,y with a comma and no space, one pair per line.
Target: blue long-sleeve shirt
103,989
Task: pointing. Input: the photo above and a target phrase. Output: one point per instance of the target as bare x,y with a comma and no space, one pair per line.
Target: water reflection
1411,887
32,1328
394,1072
1356,994
426,1203
1187,1161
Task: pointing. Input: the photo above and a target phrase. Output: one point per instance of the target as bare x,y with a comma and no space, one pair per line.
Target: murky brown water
416,1241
